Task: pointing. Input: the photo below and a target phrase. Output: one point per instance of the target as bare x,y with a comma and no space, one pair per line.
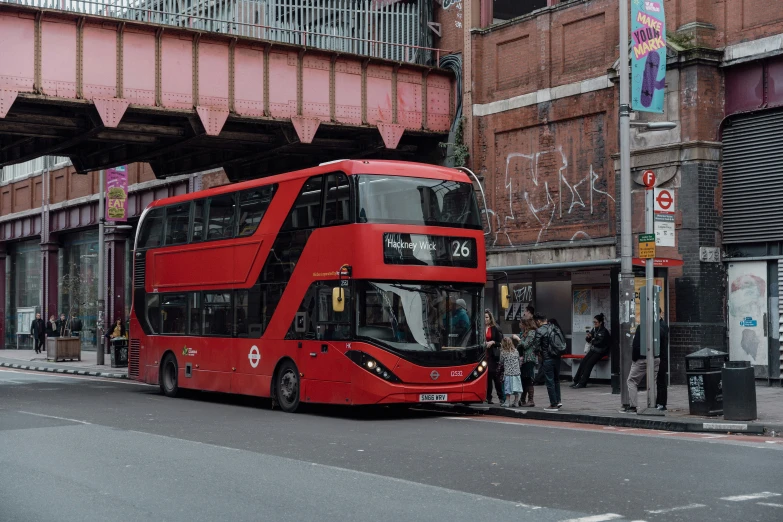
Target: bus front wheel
287,389
168,376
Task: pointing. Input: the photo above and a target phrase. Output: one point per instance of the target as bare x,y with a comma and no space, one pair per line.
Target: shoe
577,386
574,385
490,402
504,405
661,407
552,407
628,409
528,405
559,405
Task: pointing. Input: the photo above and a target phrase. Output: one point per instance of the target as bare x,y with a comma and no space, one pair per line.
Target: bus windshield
423,323
417,201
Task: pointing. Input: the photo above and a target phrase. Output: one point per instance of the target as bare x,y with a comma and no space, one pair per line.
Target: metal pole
649,319
101,286
627,313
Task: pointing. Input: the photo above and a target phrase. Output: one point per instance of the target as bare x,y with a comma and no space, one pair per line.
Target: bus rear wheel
287,387
168,376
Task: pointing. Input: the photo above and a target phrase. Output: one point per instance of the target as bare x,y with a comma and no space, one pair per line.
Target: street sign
664,233
664,201
648,179
659,262
647,246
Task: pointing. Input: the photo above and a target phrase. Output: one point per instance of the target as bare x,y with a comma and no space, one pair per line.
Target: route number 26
460,248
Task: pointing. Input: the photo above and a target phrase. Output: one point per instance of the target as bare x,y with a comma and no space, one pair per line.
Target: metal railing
391,32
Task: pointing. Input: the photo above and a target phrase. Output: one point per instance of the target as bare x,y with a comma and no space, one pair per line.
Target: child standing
512,382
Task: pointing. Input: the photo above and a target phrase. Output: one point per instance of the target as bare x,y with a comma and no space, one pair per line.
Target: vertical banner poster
117,194
648,55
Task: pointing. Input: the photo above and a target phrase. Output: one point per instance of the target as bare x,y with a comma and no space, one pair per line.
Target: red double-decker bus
355,282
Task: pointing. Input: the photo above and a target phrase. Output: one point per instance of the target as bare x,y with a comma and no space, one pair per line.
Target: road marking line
751,496
678,508
595,518
770,504
55,417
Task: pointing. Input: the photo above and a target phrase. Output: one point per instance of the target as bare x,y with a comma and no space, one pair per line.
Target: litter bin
119,353
705,392
739,391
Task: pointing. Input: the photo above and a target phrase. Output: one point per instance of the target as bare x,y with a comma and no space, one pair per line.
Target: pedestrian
38,331
116,330
638,372
527,359
493,337
76,325
599,340
661,381
51,327
62,326
512,381
529,312
550,344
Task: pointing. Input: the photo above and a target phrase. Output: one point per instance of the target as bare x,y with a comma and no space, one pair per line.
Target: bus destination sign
429,250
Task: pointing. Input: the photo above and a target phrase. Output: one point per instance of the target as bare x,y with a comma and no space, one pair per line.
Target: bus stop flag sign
647,246
648,55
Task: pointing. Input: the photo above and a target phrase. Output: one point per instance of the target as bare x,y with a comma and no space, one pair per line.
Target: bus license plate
433,397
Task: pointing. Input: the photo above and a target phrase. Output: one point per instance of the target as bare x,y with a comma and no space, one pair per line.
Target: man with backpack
551,345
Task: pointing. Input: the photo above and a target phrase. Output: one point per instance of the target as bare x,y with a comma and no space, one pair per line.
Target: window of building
177,218
174,313
221,217
32,168
252,207
152,229
194,327
338,196
199,207
508,9
306,212
218,317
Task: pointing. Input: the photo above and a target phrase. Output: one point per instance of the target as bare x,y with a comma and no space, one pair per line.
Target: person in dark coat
51,327
38,331
600,342
493,339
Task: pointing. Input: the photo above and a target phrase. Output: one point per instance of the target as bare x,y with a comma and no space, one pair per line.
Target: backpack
557,342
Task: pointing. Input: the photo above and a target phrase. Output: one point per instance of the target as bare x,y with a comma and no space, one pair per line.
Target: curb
63,370
716,426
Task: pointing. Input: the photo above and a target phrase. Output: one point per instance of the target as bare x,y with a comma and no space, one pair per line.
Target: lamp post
627,290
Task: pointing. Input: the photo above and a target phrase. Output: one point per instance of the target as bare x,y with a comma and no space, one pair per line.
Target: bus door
322,356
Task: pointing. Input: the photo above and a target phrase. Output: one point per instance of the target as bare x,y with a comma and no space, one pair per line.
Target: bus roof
350,167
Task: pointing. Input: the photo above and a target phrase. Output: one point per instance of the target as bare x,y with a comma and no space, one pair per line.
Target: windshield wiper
411,289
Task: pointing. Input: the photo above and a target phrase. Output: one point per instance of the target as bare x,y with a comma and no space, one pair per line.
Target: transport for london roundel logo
254,356
434,375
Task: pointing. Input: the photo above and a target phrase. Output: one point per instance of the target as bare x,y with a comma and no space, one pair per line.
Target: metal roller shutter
753,179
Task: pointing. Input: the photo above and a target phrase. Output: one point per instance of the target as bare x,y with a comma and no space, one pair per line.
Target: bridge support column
3,295
51,285
115,276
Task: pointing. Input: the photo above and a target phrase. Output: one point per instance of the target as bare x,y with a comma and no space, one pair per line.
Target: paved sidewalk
597,405
29,360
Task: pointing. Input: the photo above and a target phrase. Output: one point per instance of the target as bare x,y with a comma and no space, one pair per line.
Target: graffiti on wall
537,198
457,4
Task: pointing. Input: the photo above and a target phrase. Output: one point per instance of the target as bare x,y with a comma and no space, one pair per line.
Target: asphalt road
87,449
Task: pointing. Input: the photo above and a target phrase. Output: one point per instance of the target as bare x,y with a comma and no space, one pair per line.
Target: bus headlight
477,372
372,366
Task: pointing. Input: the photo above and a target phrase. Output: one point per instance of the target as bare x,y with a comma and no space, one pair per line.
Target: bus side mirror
338,299
504,301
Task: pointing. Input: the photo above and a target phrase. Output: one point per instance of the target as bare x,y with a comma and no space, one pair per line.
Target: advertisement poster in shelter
639,282
648,55
117,194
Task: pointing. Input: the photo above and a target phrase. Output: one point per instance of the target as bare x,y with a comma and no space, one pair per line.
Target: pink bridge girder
114,91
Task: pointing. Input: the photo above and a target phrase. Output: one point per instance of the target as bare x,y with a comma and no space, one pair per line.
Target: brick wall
686,338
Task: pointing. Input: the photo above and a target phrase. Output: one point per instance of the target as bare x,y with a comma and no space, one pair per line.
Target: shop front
23,293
